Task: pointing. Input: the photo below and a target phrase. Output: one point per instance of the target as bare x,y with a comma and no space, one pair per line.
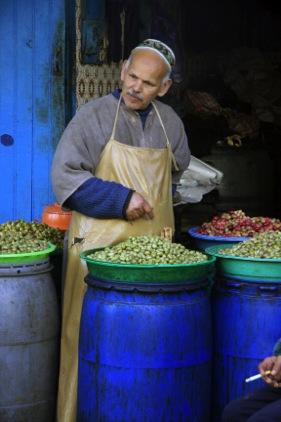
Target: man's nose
138,85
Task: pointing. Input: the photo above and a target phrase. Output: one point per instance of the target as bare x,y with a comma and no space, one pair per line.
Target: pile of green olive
151,250
20,236
263,245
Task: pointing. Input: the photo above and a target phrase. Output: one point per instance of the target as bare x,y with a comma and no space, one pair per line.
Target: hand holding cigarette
270,370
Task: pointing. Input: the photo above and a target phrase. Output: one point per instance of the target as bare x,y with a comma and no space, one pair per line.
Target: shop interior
226,88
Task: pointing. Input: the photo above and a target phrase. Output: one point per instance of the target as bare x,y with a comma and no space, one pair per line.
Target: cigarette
256,377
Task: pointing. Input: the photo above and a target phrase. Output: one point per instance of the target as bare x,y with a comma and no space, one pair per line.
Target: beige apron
148,172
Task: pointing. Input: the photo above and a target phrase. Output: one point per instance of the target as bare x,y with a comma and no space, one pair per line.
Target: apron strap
115,120
167,139
112,137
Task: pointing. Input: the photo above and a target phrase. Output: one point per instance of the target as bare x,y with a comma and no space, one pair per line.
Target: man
114,167
264,405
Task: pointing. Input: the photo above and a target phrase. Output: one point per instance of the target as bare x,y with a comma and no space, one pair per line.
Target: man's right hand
138,207
270,369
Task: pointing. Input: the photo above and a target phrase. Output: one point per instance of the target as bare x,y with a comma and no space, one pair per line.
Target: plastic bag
200,178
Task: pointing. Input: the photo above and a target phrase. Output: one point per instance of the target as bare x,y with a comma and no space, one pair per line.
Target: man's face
142,79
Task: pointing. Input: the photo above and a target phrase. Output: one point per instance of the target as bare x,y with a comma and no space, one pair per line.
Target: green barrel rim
27,257
143,273
248,268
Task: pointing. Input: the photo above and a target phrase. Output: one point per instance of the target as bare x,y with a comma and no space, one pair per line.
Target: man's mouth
135,96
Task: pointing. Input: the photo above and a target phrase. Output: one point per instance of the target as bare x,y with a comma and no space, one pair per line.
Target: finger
268,379
148,210
266,365
276,370
276,384
136,214
132,215
147,207
148,216
151,214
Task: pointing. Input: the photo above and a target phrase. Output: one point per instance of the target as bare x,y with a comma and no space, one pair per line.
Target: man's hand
272,364
138,207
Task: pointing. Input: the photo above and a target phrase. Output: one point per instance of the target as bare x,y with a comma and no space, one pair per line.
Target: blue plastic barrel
144,353
247,323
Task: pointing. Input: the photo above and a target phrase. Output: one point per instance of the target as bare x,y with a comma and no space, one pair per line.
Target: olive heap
20,236
263,245
237,223
151,250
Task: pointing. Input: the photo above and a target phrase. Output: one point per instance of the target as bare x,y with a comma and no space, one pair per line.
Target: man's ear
123,70
165,86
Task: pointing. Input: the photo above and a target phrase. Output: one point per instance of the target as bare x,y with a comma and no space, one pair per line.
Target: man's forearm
100,199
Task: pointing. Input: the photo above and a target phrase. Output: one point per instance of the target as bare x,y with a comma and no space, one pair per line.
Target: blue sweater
100,199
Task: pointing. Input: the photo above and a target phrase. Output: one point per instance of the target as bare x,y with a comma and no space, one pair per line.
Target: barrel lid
19,269
148,287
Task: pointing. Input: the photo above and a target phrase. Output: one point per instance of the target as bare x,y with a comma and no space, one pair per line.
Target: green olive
263,245
148,250
20,236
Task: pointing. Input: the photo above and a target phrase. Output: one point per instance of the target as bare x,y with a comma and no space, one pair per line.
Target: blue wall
32,109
